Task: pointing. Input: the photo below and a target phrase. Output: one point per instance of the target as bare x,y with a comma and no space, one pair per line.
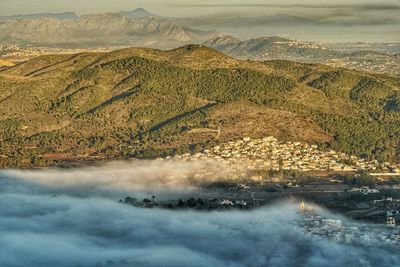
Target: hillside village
374,63
270,153
347,231
15,53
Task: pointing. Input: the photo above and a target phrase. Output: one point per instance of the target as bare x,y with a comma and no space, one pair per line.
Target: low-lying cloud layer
129,176
92,229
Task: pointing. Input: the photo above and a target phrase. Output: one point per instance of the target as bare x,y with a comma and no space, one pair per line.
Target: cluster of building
387,202
22,53
347,232
392,207
302,44
377,63
269,153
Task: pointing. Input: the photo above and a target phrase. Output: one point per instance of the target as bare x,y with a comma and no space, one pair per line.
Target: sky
182,8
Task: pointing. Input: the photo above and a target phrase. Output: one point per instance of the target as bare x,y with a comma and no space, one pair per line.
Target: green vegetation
359,179
9,129
149,103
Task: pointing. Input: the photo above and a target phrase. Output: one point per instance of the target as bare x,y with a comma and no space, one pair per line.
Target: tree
191,202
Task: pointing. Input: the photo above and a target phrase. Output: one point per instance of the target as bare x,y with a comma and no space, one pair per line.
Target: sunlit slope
134,101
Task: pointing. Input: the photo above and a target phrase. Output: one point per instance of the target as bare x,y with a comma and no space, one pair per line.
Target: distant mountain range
130,29
273,20
136,13
138,27
62,16
275,47
270,48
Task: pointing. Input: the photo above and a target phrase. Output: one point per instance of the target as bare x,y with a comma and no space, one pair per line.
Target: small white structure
391,222
226,202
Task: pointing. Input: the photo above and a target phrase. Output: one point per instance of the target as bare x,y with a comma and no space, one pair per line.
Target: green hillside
145,102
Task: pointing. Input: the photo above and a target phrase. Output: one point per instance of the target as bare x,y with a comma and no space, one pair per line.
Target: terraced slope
144,102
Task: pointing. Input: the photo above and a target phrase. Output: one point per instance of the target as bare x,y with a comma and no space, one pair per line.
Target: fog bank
116,178
74,228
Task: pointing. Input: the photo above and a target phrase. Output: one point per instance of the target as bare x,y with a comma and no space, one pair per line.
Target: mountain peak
138,13
221,41
273,39
141,9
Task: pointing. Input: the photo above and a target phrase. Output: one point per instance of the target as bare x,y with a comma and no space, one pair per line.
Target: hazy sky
181,8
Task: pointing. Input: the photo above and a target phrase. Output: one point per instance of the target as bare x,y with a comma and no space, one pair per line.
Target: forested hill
143,102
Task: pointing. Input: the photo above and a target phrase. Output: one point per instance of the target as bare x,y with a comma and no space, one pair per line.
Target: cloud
311,6
116,177
76,229
329,14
